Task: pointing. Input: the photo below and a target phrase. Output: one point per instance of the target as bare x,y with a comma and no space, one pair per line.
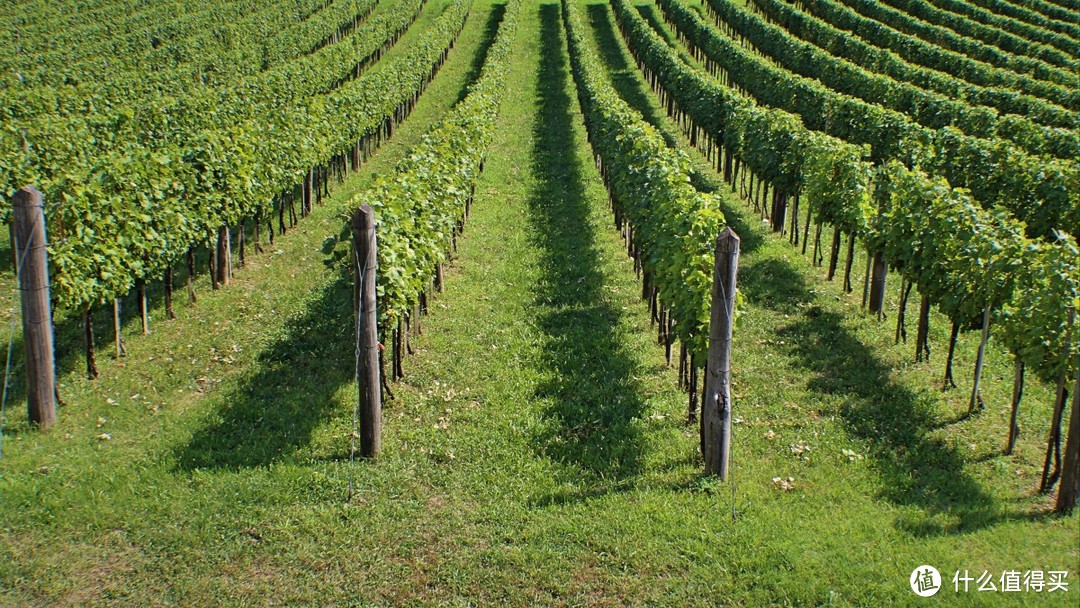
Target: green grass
536,452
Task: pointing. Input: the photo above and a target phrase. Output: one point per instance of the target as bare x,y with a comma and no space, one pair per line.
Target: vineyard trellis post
1069,492
32,270
877,284
1053,443
976,398
365,258
716,410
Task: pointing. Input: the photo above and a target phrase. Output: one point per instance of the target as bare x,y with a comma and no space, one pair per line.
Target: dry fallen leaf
786,485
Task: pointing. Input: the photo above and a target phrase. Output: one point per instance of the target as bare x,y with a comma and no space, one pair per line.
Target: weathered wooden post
32,270
223,260
1069,492
877,285
1053,444
118,335
976,399
716,411
367,339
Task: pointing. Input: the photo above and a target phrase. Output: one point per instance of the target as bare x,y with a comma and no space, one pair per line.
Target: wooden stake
170,314
1069,492
367,339
88,332
224,257
32,272
119,338
806,230
848,287
1018,393
716,408
1053,444
144,310
976,398
191,274
879,274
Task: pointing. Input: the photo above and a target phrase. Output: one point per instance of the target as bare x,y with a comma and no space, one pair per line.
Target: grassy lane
219,425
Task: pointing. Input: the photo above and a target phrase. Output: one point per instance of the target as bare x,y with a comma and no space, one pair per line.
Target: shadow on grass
897,424
916,468
491,28
592,398
274,412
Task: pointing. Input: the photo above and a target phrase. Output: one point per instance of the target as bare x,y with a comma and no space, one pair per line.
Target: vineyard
573,302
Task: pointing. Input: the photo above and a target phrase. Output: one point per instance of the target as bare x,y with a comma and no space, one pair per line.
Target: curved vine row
417,219
840,43
674,224
216,44
995,36
928,109
947,39
132,214
937,58
962,256
1043,192
1038,12
1070,43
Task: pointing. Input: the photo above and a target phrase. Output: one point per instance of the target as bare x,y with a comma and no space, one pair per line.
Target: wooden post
922,337
32,270
241,239
118,336
834,256
848,287
716,410
1018,392
144,309
191,274
91,358
367,339
223,259
1069,492
976,399
169,313
866,279
877,285
1053,444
